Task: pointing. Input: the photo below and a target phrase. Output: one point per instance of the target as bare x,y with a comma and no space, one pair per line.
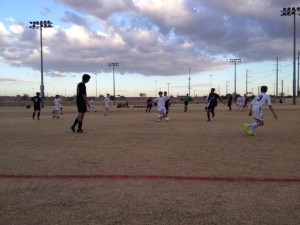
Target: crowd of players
163,102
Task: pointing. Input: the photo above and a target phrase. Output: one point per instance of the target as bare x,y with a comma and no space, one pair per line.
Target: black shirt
36,101
212,99
81,90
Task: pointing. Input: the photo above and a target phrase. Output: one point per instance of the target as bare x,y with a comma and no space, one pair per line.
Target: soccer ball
167,119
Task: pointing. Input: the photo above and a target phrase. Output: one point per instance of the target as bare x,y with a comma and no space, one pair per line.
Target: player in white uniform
106,104
161,107
57,106
241,103
92,105
256,110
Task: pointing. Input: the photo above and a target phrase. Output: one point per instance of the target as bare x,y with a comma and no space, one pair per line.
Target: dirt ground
129,169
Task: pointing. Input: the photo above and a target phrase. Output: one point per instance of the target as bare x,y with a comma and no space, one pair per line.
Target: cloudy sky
155,42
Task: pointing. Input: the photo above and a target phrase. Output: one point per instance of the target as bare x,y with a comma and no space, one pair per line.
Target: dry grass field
129,169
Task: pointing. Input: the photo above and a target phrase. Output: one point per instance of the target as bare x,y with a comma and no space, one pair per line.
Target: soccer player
82,103
240,103
161,107
229,102
186,101
36,105
57,106
256,110
106,102
149,104
92,105
167,103
211,103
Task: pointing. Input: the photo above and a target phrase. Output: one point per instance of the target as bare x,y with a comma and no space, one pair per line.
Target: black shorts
81,107
37,108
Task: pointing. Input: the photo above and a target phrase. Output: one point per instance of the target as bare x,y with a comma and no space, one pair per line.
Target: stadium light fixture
40,25
293,12
113,66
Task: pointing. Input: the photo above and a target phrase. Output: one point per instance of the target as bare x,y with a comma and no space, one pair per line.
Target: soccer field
129,169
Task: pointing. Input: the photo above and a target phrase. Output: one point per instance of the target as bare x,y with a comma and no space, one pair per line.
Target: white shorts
257,113
56,108
161,109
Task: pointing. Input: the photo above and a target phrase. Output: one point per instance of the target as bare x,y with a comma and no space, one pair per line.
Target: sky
179,46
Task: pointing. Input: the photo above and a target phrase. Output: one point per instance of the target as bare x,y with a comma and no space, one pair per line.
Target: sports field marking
149,177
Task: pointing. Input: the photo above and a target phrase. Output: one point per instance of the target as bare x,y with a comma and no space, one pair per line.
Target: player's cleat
73,128
158,120
213,114
246,128
251,133
80,131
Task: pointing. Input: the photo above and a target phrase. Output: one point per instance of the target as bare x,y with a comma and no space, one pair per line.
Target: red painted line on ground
149,177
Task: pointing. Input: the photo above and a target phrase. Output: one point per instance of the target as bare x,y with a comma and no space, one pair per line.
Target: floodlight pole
289,12
168,89
113,65
40,25
189,81
235,61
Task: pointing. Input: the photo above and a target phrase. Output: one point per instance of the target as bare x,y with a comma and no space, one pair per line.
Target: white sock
253,126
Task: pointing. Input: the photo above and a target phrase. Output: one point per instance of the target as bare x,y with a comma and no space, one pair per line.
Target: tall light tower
40,25
168,89
96,84
113,65
293,12
235,61
189,81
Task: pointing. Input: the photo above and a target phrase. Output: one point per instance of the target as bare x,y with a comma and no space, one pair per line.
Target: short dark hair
86,77
160,92
38,93
213,89
264,89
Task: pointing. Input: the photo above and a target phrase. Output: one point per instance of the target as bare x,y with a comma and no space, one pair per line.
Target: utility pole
235,61
281,88
276,77
247,81
227,85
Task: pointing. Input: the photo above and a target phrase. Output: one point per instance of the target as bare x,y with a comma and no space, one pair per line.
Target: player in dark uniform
229,102
167,104
82,103
211,103
36,105
149,104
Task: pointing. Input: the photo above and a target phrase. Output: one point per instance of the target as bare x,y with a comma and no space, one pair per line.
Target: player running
161,107
92,105
57,106
256,110
211,103
106,102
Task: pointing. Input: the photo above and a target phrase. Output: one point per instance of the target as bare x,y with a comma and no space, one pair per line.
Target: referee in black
36,105
82,103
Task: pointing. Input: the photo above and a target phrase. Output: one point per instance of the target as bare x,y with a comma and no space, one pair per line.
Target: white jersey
92,103
106,102
241,101
57,104
260,100
161,101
